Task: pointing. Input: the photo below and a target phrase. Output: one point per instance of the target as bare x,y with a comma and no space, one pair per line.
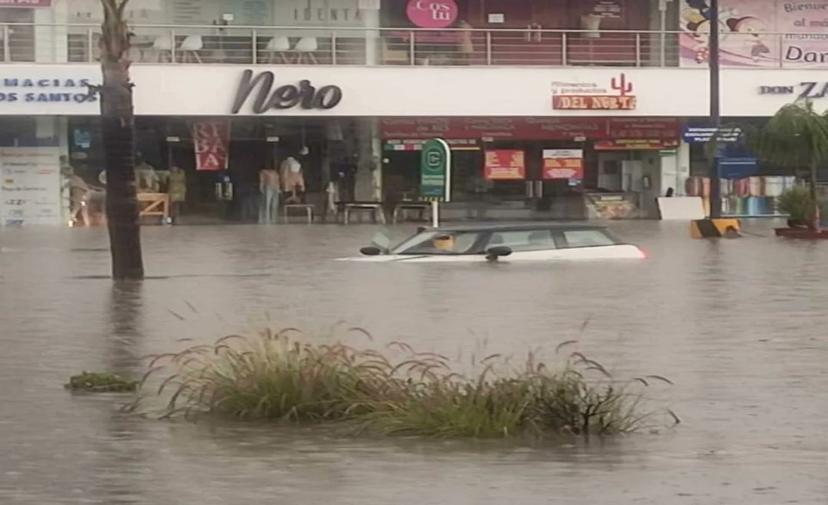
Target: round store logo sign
432,13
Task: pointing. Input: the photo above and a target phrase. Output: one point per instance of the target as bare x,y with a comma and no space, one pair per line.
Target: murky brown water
738,325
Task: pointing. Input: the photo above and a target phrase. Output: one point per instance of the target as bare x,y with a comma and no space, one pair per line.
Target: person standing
293,180
177,189
270,188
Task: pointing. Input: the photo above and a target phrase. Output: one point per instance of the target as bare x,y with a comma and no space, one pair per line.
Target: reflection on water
736,324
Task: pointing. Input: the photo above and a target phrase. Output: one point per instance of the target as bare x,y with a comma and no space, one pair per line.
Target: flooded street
737,325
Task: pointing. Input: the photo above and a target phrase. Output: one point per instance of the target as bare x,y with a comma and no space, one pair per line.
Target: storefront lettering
591,102
305,95
47,97
808,90
50,90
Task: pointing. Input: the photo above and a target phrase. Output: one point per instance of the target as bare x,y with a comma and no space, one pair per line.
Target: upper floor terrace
377,46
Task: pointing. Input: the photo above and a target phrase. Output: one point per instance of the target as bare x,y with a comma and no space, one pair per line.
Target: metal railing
59,43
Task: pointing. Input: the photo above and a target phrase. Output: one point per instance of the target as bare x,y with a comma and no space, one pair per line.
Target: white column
370,12
50,34
369,175
682,168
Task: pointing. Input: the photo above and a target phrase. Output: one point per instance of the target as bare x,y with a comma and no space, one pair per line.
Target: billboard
757,33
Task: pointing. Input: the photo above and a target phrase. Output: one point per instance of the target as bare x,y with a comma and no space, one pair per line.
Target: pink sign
25,3
432,13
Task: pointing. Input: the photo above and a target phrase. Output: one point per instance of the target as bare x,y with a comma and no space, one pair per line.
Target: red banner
505,165
530,128
211,140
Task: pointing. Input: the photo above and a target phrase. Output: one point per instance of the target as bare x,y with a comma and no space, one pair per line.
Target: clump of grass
273,377
101,382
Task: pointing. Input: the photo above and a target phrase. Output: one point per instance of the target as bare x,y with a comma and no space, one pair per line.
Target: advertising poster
563,164
505,165
211,140
30,186
749,31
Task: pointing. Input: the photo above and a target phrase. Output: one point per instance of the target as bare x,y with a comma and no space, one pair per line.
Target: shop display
747,197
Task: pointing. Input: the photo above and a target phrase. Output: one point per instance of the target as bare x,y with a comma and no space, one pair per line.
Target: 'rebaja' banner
211,140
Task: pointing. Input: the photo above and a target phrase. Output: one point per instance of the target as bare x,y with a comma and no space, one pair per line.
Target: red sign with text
530,128
593,102
211,140
563,164
505,165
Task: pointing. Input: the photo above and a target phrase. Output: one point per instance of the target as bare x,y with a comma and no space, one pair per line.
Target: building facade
574,109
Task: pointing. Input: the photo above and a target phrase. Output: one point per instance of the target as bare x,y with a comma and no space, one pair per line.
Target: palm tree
118,128
796,137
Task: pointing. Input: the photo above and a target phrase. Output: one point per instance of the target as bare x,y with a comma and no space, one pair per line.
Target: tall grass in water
273,377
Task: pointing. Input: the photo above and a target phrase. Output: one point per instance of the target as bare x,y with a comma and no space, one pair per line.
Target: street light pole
715,111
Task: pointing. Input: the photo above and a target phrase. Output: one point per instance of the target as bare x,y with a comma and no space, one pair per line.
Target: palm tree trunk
118,126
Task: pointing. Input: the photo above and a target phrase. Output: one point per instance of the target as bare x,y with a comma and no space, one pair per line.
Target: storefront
575,144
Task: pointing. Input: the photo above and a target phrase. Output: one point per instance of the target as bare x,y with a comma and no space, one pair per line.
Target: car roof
483,227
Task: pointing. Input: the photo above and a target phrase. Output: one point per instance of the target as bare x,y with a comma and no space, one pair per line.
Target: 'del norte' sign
591,96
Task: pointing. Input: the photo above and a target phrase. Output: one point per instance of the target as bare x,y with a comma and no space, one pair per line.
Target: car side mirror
497,252
370,251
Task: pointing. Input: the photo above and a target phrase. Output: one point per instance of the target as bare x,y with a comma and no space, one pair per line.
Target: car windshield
438,242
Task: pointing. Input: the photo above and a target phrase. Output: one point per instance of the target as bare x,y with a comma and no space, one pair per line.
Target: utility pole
715,112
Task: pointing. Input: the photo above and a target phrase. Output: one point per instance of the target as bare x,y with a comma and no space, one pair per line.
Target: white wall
209,90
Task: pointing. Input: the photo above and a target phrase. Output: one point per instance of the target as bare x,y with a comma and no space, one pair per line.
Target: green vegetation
796,137
797,203
271,377
101,383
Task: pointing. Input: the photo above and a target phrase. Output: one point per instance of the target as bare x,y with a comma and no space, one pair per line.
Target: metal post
411,47
255,39
488,48
638,49
435,214
172,46
6,48
90,41
564,49
715,112
333,49
781,39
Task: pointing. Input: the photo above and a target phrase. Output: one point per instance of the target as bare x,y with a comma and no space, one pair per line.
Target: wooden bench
154,205
375,208
402,207
306,207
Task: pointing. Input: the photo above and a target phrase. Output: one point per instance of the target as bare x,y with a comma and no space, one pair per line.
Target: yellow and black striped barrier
715,228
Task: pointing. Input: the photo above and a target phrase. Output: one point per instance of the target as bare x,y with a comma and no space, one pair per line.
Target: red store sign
551,128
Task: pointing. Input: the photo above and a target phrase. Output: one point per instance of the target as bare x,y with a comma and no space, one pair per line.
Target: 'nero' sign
287,96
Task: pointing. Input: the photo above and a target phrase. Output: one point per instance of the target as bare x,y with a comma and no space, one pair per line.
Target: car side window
444,243
587,238
523,240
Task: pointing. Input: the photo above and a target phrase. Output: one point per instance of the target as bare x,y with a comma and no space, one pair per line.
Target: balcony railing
59,43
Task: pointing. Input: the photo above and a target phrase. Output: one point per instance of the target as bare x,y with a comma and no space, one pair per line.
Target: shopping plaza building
563,109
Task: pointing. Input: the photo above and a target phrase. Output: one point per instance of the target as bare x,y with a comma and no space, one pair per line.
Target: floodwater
738,325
